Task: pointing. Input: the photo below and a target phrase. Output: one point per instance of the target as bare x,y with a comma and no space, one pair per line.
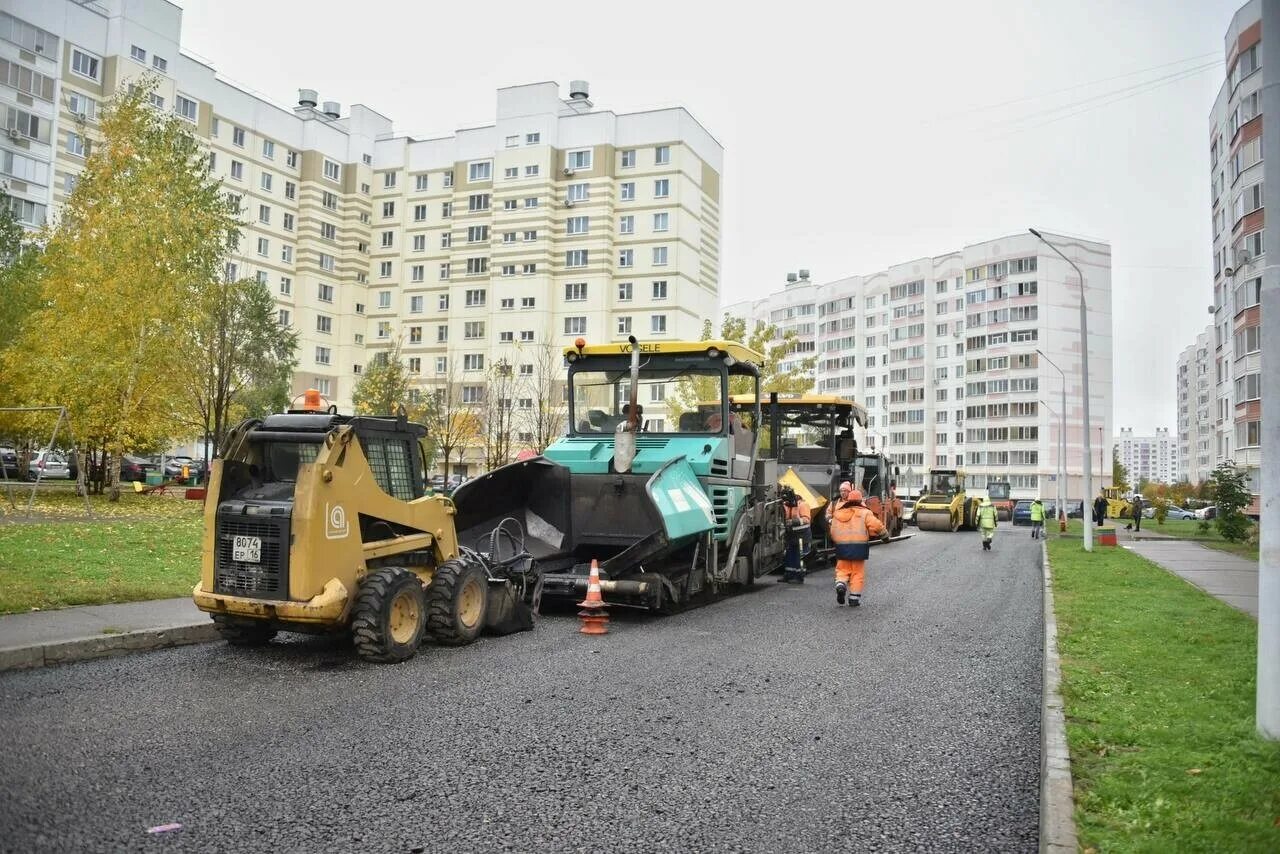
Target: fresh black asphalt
769,721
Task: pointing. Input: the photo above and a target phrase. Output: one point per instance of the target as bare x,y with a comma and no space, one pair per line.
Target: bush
1161,509
1232,491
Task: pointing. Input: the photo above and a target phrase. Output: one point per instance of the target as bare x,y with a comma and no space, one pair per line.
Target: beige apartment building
485,249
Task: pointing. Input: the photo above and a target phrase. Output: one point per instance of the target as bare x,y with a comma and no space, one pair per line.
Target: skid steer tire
244,632
388,618
457,602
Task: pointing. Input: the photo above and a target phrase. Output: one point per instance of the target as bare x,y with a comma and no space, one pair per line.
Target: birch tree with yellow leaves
137,246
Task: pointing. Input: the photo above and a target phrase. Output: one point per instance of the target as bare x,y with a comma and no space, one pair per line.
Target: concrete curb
81,649
1057,805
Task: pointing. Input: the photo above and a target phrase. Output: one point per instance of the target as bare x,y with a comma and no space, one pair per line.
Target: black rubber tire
371,615
752,548
243,632
444,621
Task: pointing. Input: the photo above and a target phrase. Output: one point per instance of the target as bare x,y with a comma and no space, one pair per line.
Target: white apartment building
1195,406
1237,193
1150,458
557,221
942,351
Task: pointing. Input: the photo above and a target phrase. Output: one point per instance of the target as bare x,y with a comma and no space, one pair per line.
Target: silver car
48,465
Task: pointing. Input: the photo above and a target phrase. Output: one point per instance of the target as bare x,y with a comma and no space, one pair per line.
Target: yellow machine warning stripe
808,496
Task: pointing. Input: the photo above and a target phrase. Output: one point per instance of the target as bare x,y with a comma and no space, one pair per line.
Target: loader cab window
392,463
869,475
284,458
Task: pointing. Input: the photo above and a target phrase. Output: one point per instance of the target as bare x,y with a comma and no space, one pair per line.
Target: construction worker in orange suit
852,526
798,519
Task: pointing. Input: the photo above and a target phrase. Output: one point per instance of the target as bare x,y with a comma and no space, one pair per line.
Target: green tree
782,371
1231,488
245,357
1119,474
137,245
19,278
384,385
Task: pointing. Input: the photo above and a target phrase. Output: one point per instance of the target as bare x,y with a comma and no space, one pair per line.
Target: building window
442,334
658,324
84,64
627,225
185,107
575,326
332,170
388,209
627,191
660,290
528,302
237,170
508,303
532,138
512,141
264,214
531,202
628,158
478,234
577,224
530,236
626,257
624,325
268,149
82,105
661,188
264,247
265,181
75,144
323,355
291,159
442,364
510,204
575,258
578,192
624,291
282,317
157,101
419,243
288,222
324,324
506,337
388,238
526,337
508,269
328,231
138,53
478,202
384,270
286,285
660,221
444,270
659,256
575,291
473,362
578,159
531,171
511,172
481,171
473,329
529,269
475,297
477,266
384,329
159,63
325,292
662,155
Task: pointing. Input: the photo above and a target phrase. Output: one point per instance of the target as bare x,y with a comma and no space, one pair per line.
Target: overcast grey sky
856,135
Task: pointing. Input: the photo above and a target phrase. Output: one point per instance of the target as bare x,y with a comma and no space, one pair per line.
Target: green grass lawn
1158,681
56,564
59,501
1187,529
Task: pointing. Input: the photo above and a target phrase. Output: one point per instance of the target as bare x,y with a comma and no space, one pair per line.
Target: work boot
841,590
855,599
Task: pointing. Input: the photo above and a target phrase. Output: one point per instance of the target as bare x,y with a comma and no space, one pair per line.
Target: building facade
1196,400
945,353
490,247
1240,240
1148,458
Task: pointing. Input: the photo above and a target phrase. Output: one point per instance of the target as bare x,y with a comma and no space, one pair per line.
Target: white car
48,465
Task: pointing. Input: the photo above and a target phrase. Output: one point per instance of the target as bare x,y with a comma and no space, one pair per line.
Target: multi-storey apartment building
558,221
1240,240
1148,458
1196,437
944,352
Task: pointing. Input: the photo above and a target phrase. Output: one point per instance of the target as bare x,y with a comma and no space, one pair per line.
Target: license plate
247,550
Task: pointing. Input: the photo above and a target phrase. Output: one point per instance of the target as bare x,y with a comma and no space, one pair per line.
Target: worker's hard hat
986,502
845,485
855,496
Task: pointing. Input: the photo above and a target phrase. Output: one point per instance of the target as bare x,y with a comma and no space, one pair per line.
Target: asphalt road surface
769,721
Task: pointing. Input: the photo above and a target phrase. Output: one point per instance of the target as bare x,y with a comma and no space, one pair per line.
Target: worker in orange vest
852,526
798,519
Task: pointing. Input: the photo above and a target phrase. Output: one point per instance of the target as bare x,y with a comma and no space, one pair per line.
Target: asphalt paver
772,720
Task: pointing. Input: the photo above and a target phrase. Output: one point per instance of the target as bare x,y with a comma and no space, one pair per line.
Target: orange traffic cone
595,619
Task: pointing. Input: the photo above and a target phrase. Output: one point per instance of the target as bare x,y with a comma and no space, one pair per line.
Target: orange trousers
850,572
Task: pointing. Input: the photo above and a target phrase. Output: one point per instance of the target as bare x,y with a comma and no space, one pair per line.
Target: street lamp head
1036,233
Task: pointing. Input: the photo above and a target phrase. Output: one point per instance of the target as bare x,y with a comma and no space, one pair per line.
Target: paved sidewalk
1232,579
37,638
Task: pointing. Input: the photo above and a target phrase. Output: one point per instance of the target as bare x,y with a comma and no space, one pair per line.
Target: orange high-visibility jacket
852,527
800,511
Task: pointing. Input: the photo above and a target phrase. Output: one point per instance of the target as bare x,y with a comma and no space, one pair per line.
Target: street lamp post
1062,434
1086,518
1062,459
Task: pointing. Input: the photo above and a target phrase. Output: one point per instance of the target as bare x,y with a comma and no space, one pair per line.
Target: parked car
1210,512
1075,509
908,511
1171,513
9,460
1022,512
48,465
438,483
173,466
134,468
